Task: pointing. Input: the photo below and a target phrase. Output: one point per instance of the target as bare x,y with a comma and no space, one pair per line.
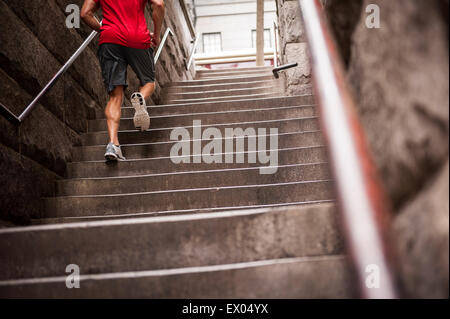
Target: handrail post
361,201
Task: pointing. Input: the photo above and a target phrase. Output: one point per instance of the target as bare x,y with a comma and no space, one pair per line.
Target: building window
212,42
267,38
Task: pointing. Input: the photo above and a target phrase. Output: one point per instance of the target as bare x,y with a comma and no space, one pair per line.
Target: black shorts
114,60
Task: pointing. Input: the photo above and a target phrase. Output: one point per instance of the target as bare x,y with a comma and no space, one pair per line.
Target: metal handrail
191,57
195,37
5,112
163,42
275,44
17,120
55,78
188,19
361,201
283,67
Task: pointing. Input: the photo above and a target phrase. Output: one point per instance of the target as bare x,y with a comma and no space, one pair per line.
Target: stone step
223,93
303,277
255,68
170,242
221,86
201,198
228,106
225,98
192,179
227,73
302,124
162,149
183,120
66,220
224,80
297,155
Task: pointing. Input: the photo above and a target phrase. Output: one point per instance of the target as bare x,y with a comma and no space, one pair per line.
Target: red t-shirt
124,23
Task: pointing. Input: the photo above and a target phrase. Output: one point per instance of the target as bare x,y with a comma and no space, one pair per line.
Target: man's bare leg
113,113
147,90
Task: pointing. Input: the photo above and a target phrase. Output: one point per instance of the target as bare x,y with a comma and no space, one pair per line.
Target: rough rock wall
400,78
343,16
399,75
34,44
293,48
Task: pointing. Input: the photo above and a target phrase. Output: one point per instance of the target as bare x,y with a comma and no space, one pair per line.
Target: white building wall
234,19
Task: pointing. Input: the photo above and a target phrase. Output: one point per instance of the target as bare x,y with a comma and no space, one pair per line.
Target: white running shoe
114,153
141,118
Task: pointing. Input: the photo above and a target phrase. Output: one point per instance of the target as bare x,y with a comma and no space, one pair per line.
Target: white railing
163,42
191,56
275,45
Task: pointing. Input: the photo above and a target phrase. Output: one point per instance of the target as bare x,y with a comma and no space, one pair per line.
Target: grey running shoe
141,118
114,153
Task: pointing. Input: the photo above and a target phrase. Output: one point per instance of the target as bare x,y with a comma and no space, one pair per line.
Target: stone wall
293,48
175,55
34,44
399,76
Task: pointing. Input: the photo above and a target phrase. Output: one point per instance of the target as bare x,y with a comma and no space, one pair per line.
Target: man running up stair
125,40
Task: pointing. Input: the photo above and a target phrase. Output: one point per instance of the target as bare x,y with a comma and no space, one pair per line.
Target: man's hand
156,39
158,18
87,14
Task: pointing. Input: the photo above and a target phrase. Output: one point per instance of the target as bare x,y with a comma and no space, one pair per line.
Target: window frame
210,34
269,31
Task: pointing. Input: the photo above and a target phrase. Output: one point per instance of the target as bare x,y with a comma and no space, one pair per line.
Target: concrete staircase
150,228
